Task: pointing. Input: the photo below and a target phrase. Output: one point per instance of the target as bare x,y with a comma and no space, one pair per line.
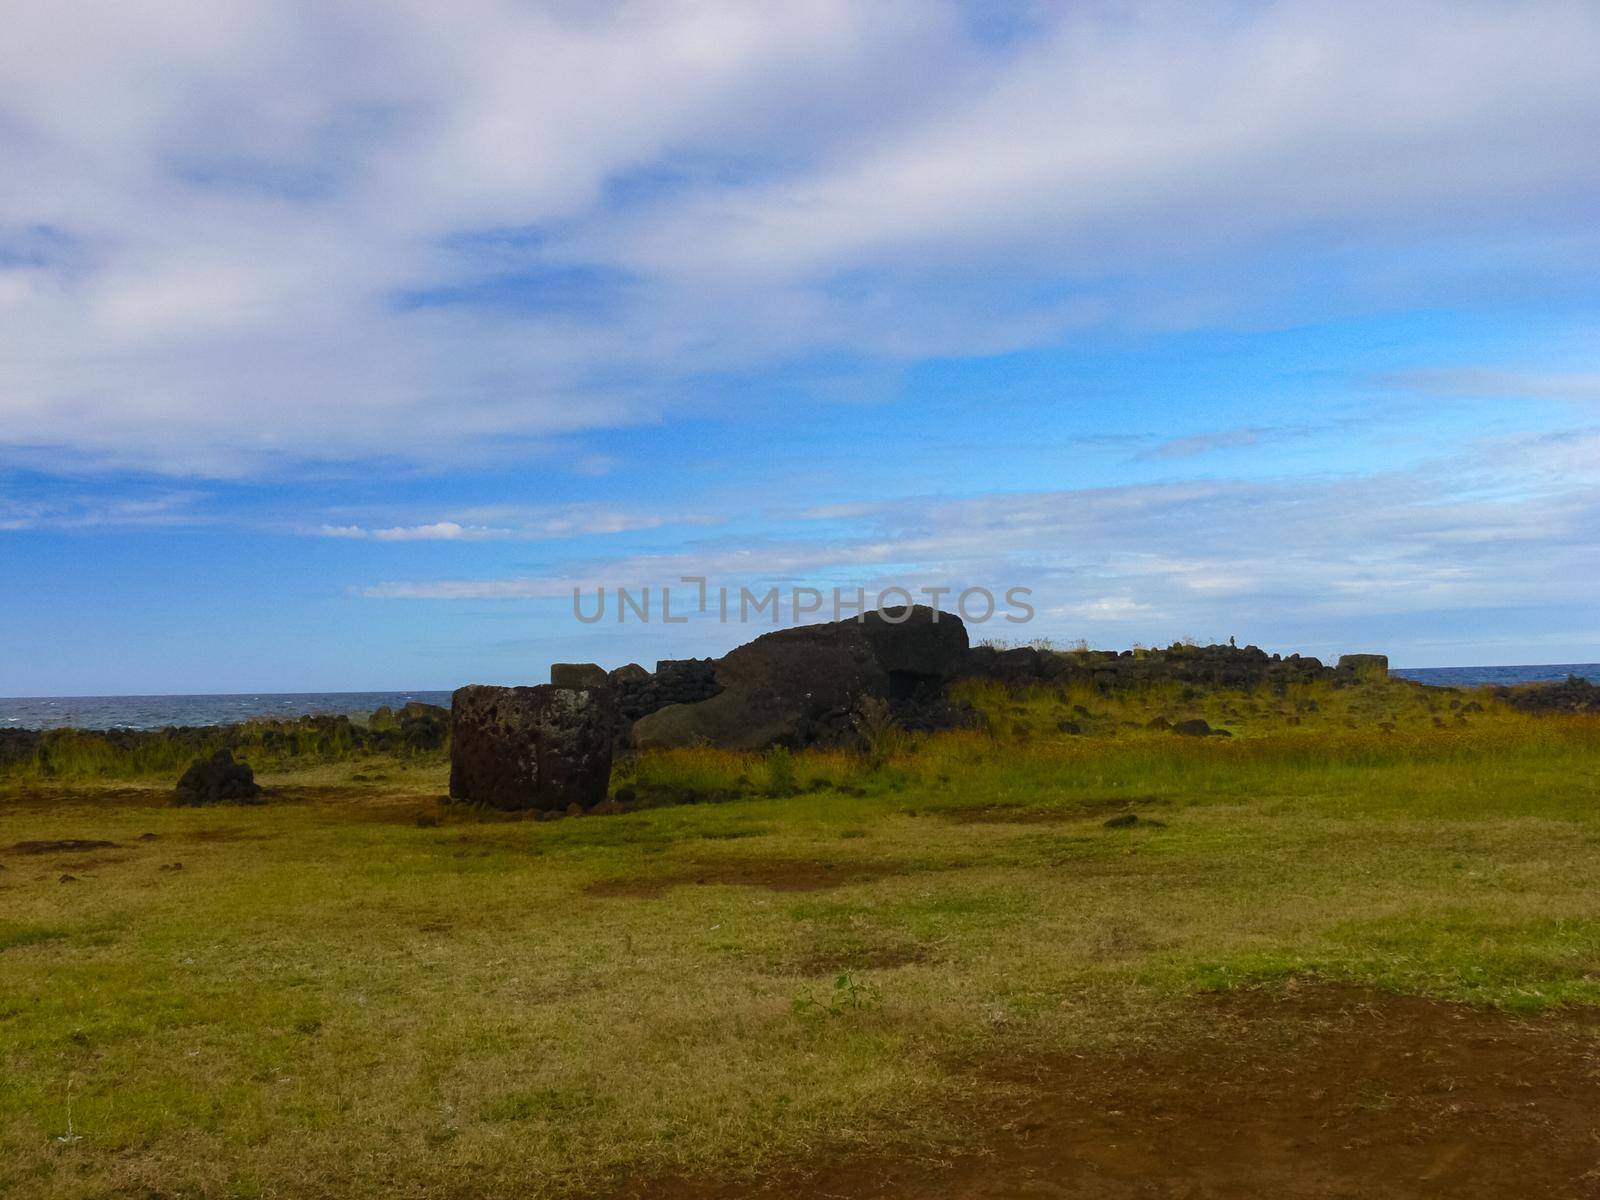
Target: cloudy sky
338,342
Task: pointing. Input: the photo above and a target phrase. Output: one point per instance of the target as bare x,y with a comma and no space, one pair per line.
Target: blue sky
334,352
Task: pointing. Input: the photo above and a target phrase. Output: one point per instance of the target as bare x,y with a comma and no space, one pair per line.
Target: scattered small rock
1159,724
1129,820
1194,727
177,866
149,837
68,879
1068,727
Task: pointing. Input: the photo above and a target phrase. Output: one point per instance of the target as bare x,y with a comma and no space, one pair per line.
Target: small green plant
849,995
780,772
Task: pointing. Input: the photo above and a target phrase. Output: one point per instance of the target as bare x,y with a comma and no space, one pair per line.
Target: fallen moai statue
797,686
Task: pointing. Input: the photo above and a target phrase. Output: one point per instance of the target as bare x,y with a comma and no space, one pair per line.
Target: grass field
358,989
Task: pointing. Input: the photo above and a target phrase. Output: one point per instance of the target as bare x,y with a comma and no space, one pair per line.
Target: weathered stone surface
797,686
675,681
216,779
541,747
1365,666
577,675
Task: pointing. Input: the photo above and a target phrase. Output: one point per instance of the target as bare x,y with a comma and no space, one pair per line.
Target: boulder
798,686
1365,666
1195,727
423,726
633,673
544,748
217,778
577,675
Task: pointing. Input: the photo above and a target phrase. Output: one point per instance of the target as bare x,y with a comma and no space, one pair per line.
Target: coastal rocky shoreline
681,700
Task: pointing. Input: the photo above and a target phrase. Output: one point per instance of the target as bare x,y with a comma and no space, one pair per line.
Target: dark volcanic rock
423,726
544,748
1365,666
797,686
1197,727
577,675
218,778
1576,695
1244,668
638,692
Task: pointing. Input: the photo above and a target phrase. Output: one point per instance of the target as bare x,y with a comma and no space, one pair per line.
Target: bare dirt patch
769,874
1325,1092
49,798
1075,810
225,834
63,846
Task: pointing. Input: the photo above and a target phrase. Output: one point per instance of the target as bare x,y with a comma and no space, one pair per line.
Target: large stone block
577,675
1365,666
541,747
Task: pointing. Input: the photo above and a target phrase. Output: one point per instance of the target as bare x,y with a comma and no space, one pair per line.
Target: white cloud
1502,383
213,215
66,511
509,521
1512,524
438,531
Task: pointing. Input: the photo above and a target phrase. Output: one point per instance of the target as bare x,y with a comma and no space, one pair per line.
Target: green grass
331,999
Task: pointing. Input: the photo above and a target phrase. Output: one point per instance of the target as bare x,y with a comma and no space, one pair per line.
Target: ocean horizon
161,711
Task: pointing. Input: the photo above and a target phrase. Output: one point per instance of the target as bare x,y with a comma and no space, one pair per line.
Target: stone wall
1245,667
636,692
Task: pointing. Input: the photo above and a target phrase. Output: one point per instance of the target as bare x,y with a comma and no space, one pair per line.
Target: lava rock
217,779
546,748
1365,666
798,686
1576,695
577,675
1195,727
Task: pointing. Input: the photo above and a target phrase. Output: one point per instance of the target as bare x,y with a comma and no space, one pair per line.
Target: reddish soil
773,875
1326,1093
64,846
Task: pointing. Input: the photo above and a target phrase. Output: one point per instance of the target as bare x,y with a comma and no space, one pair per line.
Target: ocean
155,712
1497,676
